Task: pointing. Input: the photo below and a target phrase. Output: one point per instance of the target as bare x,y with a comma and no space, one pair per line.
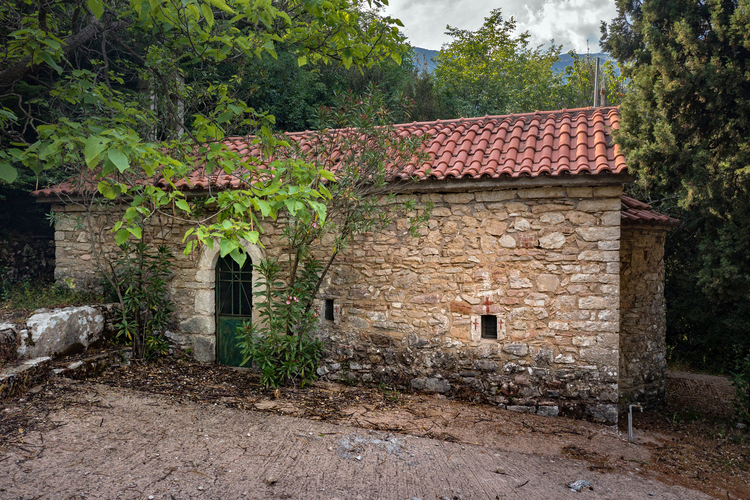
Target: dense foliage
116,92
141,285
495,71
280,357
686,134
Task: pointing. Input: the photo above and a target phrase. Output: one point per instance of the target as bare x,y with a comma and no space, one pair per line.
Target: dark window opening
235,288
329,310
489,327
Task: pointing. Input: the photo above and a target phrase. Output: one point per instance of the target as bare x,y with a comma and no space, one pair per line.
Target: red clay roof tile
636,212
549,143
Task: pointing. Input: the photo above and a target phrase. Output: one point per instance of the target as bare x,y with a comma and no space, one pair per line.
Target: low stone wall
20,377
642,316
505,379
27,258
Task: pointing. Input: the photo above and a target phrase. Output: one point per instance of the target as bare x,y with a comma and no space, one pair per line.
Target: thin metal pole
596,83
630,420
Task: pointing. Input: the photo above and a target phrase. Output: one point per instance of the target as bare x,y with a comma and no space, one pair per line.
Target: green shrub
281,345
741,381
281,358
146,306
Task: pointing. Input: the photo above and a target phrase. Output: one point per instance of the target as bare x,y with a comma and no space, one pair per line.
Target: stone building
536,282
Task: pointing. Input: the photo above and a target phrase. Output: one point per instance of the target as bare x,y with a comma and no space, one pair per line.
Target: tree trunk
18,70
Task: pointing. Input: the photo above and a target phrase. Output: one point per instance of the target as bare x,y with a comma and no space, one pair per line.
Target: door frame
204,308
227,323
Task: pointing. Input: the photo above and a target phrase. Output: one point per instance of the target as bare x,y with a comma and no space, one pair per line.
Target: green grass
18,299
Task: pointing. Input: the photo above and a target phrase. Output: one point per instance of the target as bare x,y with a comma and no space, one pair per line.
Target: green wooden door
234,306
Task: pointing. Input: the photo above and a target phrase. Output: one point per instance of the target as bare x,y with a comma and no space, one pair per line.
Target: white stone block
598,233
56,331
507,241
599,255
592,303
552,241
545,192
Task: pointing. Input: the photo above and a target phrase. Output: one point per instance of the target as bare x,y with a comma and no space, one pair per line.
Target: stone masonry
643,347
545,261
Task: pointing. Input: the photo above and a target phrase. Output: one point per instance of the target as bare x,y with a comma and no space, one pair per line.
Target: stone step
22,376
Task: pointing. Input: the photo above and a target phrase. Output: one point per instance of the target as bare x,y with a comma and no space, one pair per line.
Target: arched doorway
234,306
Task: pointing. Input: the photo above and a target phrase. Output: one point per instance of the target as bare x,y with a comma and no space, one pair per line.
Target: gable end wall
642,316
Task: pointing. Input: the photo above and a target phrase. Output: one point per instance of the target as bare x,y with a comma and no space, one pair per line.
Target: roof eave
506,182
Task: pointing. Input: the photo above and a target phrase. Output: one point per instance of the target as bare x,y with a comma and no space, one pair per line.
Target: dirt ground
180,430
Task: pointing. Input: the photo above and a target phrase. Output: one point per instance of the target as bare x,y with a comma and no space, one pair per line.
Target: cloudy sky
569,22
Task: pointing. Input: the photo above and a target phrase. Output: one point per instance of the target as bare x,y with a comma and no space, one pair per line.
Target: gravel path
117,443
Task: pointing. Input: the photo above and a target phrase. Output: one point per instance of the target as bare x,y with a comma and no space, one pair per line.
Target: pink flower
287,302
315,224
295,299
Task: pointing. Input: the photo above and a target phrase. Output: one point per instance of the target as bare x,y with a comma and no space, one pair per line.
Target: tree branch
17,71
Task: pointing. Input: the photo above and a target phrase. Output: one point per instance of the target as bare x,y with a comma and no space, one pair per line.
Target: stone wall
191,288
543,261
642,316
26,258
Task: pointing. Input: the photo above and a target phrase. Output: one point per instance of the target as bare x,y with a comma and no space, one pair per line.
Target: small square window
329,310
489,326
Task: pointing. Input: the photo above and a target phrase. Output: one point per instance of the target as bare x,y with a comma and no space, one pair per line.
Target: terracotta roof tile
548,143
636,212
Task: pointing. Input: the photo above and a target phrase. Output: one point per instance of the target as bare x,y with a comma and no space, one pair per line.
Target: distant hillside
566,60
424,58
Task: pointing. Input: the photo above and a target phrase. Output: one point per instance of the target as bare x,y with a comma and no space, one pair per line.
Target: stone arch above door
201,327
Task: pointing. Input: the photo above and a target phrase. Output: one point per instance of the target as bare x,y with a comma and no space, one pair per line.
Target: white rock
52,332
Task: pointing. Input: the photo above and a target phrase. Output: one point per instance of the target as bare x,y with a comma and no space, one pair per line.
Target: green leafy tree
580,77
360,150
686,133
117,92
293,93
493,71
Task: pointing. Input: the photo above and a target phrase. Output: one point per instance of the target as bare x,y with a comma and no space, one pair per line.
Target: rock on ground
59,331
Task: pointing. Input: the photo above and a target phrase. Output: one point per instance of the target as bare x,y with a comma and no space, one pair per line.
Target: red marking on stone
487,304
476,323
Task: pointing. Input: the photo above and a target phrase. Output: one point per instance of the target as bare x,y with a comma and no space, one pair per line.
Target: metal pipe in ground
630,419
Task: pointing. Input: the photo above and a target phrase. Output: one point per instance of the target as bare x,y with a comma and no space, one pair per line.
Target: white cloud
569,22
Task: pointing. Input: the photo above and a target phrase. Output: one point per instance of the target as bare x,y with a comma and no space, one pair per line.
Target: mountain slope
425,59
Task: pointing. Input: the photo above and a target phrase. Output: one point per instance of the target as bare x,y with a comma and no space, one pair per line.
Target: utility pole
596,83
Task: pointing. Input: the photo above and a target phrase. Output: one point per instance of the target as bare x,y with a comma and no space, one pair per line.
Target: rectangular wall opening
489,326
329,310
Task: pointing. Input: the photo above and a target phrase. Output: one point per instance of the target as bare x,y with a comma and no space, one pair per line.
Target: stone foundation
642,316
509,381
